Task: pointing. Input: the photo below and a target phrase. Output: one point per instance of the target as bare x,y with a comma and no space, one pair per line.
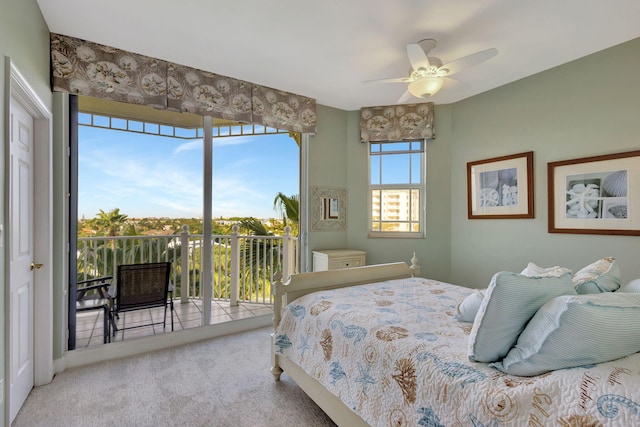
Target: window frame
421,187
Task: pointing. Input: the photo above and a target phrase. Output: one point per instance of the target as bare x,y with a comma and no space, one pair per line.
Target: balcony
242,267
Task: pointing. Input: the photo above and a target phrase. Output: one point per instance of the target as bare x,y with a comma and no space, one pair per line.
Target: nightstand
333,259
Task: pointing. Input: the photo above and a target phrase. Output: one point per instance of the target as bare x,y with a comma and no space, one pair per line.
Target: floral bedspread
394,354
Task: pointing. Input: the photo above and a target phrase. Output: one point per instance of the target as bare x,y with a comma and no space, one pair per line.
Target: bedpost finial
277,276
415,267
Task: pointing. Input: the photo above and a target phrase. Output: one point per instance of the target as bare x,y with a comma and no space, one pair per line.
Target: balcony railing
242,265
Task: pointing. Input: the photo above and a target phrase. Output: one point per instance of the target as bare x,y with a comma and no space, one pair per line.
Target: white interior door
21,267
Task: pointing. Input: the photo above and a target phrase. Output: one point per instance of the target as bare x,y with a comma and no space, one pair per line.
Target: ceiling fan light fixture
426,86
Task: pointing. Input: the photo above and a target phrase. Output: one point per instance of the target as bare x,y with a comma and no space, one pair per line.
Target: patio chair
142,286
93,294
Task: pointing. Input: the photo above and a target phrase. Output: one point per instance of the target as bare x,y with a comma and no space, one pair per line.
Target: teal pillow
576,330
600,276
509,302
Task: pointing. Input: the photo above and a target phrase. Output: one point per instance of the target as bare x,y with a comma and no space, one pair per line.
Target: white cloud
232,140
189,146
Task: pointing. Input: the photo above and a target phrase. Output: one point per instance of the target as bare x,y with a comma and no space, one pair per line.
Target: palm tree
256,254
111,221
248,251
289,208
254,227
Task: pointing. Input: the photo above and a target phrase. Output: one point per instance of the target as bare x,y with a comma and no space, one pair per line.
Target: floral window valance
208,94
92,69
283,110
397,122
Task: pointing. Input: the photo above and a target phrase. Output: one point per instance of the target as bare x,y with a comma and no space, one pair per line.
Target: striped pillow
509,302
576,330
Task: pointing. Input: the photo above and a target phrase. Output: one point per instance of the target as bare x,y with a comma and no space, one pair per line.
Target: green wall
24,38
584,108
328,169
433,252
339,160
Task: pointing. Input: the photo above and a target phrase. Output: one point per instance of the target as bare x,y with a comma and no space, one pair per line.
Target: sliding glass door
149,185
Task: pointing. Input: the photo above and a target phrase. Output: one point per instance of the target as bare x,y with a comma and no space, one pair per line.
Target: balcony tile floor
89,324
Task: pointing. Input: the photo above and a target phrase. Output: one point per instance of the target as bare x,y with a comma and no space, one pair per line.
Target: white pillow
467,309
509,302
532,270
600,276
576,330
632,287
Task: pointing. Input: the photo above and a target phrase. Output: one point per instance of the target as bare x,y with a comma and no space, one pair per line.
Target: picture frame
595,195
328,209
501,187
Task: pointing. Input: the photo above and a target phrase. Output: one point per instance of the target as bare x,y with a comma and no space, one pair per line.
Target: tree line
115,223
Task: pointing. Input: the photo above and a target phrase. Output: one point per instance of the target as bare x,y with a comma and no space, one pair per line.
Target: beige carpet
220,382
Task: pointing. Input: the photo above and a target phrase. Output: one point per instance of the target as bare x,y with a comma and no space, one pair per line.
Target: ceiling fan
427,74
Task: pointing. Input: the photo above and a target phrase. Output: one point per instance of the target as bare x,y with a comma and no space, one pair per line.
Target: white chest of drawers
334,259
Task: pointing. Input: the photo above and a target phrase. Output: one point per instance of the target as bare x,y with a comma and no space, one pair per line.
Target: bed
379,346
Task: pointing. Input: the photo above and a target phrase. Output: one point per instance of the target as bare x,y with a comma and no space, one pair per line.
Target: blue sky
157,176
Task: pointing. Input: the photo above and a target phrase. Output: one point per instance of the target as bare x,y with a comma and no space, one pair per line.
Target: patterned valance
397,122
208,94
283,110
91,69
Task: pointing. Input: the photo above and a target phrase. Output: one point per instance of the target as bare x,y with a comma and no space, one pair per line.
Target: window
397,189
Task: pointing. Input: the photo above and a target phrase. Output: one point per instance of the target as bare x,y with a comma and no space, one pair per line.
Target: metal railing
243,265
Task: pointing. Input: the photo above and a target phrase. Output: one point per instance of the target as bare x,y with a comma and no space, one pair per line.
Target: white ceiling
325,49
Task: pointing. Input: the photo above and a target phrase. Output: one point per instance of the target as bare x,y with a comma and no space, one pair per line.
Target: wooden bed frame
304,283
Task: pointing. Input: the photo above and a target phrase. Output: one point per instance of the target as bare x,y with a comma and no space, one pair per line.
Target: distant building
396,205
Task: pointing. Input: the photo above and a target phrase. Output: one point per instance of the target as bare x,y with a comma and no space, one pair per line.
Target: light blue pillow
509,302
468,308
576,330
600,276
631,287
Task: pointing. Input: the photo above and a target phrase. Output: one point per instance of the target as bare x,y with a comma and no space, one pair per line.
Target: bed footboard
304,283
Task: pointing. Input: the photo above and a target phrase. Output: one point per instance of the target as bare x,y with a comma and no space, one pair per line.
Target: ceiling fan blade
417,57
405,97
453,82
467,61
394,80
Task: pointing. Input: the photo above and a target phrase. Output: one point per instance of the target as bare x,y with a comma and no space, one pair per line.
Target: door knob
35,266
